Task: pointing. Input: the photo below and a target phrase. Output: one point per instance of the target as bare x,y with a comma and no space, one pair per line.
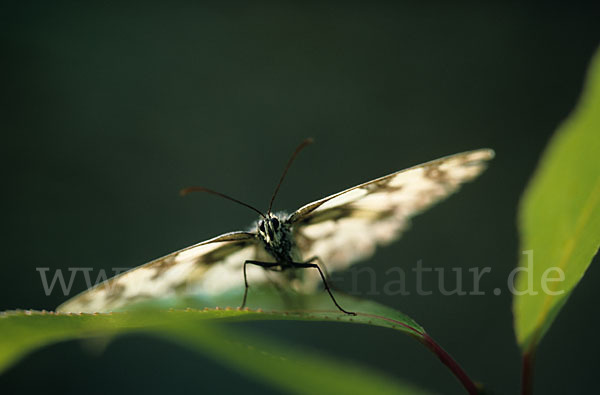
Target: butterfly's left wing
346,227
210,267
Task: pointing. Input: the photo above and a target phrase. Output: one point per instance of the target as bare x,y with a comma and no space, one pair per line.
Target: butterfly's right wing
347,227
210,267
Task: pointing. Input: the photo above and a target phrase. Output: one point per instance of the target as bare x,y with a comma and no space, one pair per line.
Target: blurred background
108,109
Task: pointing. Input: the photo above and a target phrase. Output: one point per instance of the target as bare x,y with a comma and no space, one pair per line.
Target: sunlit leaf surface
559,218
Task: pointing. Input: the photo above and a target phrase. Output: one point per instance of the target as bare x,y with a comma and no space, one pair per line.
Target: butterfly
331,233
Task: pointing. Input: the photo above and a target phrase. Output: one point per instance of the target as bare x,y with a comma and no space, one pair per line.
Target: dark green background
109,109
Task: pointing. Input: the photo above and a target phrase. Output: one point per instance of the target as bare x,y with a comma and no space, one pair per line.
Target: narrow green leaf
559,218
286,368
24,331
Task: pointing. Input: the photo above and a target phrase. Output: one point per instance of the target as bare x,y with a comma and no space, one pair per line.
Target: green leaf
23,331
289,369
559,218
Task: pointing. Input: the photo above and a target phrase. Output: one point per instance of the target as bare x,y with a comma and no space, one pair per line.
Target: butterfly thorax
276,235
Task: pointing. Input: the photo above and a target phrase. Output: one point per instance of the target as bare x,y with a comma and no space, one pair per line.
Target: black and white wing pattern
210,267
340,229
347,227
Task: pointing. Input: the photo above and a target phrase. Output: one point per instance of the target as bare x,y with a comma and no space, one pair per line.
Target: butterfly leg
309,264
326,273
266,265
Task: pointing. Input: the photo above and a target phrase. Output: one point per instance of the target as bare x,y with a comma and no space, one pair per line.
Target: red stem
527,373
443,356
454,367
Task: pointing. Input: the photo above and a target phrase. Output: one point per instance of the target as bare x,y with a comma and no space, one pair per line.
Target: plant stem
454,367
527,373
444,357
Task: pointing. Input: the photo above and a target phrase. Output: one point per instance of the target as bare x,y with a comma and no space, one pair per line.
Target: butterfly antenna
287,167
189,190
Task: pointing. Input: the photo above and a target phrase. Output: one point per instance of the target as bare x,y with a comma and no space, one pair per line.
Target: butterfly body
276,235
333,232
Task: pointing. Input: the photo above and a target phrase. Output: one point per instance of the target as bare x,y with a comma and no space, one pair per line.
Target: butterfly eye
261,226
275,223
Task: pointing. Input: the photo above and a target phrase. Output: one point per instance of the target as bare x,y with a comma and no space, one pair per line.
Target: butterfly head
270,229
